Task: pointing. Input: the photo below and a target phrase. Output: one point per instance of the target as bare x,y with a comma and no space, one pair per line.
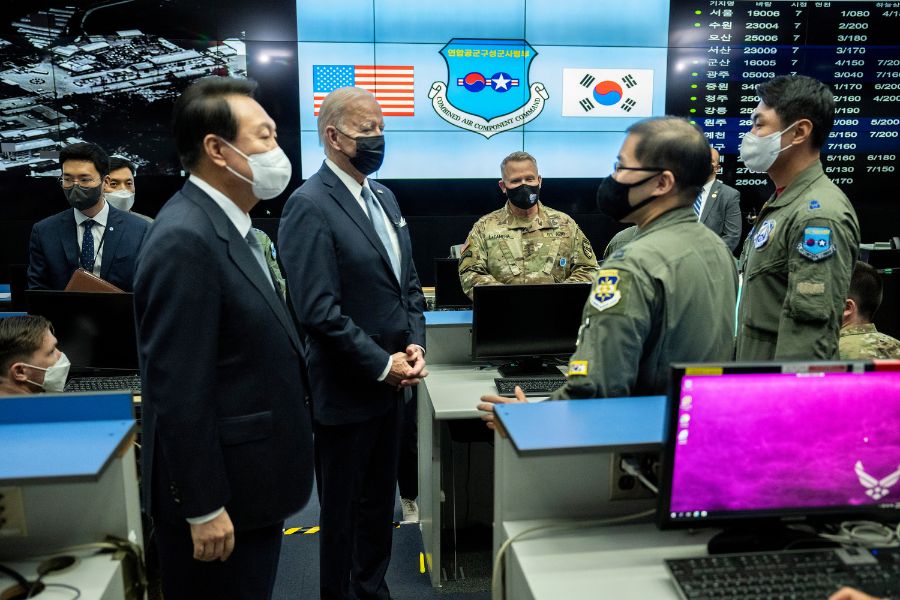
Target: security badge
762,235
578,367
606,292
816,243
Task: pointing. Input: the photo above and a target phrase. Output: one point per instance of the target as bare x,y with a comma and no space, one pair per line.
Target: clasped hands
407,368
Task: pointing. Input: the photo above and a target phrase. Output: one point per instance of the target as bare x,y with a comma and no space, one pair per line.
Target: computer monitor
96,330
448,292
757,445
523,327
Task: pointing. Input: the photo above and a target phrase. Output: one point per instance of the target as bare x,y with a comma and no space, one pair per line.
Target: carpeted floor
298,570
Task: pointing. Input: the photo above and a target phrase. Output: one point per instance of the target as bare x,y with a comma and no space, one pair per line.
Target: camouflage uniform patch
866,342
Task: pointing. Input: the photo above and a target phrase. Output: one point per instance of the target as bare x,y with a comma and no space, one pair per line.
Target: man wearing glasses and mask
668,295
92,235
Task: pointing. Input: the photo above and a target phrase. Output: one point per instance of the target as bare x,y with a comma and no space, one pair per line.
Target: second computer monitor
526,323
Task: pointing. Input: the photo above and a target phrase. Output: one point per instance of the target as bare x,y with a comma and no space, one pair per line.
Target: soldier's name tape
315,528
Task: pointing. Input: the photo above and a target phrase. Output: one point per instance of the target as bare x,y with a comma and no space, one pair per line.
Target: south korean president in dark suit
227,442
347,258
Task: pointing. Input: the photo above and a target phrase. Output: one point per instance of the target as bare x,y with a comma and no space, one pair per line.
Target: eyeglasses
617,166
68,182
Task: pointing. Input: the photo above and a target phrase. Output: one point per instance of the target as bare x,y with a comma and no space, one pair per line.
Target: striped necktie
698,202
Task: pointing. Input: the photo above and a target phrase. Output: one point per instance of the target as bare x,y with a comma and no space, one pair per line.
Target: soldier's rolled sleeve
583,259
816,291
611,341
473,267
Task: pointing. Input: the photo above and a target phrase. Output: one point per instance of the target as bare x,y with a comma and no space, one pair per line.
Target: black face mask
524,196
82,198
612,197
369,153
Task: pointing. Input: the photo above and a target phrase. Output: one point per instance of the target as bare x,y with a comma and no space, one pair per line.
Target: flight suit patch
606,292
814,204
578,367
586,248
761,238
816,243
811,288
562,262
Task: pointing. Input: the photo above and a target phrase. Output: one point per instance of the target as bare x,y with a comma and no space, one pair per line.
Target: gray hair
517,156
334,107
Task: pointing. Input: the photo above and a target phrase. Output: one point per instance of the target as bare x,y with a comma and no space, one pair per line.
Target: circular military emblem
761,238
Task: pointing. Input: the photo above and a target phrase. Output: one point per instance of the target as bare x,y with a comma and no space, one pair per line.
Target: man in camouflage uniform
796,261
859,338
525,241
668,295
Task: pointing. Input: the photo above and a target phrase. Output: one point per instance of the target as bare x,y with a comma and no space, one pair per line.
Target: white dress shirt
97,232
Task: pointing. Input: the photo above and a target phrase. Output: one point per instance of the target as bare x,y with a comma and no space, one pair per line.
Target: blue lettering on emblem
816,243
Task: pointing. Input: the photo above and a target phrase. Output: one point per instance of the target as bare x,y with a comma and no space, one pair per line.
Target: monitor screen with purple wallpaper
781,442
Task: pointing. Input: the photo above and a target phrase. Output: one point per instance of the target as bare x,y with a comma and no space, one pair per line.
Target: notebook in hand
85,281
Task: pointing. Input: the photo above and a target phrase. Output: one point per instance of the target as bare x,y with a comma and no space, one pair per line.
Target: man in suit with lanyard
347,258
719,207
93,235
227,450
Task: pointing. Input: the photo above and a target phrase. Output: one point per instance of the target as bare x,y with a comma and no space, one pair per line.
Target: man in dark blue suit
93,235
227,450
347,259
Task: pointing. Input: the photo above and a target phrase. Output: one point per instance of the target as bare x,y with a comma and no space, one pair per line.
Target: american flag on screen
392,85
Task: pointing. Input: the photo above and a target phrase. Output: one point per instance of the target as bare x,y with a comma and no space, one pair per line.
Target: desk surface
61,436
620,424
626,561
456,390
448,317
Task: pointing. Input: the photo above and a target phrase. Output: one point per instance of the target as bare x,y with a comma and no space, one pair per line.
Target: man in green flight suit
796,261
525,241
668,296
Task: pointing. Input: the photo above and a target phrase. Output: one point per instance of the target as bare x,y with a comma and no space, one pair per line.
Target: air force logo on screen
876,489
487,89
607,92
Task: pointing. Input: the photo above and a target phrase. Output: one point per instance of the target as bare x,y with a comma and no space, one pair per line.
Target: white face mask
54,375
759,153
121,199
271,171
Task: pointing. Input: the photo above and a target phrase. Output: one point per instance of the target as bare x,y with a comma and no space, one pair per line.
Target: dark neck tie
377,216
87,246
257,251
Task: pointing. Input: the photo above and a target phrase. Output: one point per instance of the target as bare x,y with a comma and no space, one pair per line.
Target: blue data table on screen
62,436
617,424
448,317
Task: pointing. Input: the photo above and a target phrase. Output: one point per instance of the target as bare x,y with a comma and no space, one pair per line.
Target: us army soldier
859,337
796,261
668,295
525,241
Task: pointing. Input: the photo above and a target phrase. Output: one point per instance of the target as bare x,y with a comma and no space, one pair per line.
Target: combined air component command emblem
606,291
816,243
487,89
761,238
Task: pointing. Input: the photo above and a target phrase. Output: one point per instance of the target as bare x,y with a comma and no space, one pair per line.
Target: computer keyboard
102,384
532,386
812,574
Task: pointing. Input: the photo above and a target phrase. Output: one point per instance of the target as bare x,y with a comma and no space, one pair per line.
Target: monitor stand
529,367
768,538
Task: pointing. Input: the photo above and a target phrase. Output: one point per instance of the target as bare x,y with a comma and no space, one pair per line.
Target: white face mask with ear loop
758,153
54,376
271,171
121,199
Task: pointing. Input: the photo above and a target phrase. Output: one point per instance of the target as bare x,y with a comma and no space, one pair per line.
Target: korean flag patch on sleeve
606,292
816,243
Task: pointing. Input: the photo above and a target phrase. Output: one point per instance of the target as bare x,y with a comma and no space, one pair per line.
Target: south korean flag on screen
607,92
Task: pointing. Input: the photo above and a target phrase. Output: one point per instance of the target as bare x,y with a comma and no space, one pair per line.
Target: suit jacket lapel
348,203
111,238
393,212
240,254
713,194
68,239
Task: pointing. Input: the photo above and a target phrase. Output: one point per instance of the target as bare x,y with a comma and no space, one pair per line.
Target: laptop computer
96,330
448,292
